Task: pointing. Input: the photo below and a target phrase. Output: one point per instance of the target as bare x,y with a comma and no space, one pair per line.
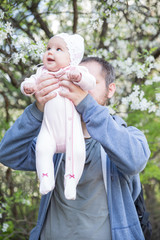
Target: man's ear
111,89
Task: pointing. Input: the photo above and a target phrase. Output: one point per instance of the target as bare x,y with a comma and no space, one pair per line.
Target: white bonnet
75,45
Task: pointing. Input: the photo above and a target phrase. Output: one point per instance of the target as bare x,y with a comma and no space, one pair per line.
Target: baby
61,129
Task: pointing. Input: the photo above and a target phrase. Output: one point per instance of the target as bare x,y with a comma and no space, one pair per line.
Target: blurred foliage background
127,34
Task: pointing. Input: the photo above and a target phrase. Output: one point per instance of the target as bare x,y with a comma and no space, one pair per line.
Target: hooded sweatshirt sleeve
126,146
17,148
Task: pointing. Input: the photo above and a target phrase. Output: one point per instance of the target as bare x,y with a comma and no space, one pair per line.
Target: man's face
99,93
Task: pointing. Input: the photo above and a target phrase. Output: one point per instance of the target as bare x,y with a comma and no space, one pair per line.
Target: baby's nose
51,51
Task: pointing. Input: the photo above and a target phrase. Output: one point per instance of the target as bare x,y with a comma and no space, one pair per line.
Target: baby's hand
29,88
74,75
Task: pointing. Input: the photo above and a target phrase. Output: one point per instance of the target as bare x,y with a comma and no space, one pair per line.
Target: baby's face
57,55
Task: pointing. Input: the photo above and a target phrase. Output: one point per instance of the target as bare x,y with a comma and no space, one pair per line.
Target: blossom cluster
110,2
137,101
24,48
95,21
26,202
5,29
155,79
128,67
5,227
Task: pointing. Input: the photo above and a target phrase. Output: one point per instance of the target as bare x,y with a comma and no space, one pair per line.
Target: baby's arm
74,75
29,88
29,85
81,76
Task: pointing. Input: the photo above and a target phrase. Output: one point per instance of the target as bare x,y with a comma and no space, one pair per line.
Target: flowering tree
126,33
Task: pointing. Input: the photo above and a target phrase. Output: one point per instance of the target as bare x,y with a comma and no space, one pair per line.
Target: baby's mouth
50,59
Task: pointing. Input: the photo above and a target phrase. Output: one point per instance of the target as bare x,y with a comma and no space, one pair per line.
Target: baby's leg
45,149
75,152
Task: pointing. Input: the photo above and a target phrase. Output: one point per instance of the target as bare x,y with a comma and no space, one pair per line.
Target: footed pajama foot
70,188
46,184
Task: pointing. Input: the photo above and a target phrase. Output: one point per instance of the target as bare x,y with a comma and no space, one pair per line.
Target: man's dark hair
107,68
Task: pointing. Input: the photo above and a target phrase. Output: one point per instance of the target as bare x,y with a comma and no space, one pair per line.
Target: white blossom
158,97
1,14
141,95
151,20
108,12
5,227
151,81
4,205
15,58
157,65
148,82
144,104
1,24
129,61
107,42
158,112
125,101
111,49
156,79
150,59
137,101
135,104
3,36
136,88
9,28
96,23
152,107
109,2
26,202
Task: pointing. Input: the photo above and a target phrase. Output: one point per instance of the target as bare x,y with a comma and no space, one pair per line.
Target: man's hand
74,93
45,86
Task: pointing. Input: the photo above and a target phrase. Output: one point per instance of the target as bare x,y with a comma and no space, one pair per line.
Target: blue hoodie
124,154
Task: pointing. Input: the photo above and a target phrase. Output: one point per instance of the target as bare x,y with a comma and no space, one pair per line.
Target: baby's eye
59,49
48,48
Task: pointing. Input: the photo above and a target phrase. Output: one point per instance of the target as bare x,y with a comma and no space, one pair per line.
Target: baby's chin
51,68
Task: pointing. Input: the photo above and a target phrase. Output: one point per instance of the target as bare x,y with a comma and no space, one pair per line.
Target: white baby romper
61,131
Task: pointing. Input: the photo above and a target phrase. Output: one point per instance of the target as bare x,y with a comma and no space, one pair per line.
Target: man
115,154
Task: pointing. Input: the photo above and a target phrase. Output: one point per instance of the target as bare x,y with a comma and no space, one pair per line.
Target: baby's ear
111,90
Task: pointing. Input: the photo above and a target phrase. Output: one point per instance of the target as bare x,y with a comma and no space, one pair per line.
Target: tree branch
156,53
5,53
75,16
103,33
37,16
17,25
11,75
6,105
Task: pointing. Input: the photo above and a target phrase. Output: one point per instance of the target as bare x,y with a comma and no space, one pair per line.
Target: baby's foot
47,184
70,188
